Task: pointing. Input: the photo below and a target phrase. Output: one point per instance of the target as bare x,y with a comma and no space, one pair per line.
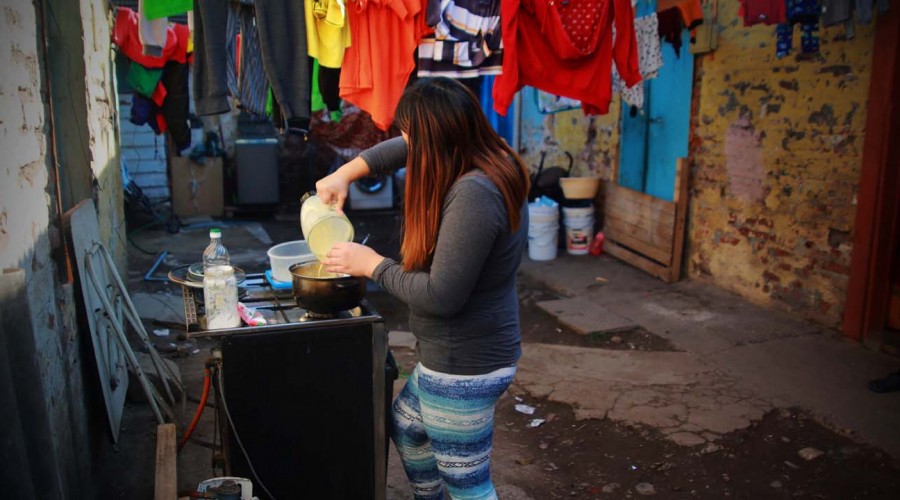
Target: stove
309,397
277,306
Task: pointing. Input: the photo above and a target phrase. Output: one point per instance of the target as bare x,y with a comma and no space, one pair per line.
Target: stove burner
313,316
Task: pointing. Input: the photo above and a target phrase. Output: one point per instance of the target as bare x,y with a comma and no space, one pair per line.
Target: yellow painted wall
592,141
776,165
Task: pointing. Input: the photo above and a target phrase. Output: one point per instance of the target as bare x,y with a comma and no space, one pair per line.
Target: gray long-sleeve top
464,309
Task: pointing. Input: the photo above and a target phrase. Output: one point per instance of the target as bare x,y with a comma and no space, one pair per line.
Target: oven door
310,407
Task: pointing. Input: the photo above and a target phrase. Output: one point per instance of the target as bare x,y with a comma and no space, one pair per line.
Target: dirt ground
563,457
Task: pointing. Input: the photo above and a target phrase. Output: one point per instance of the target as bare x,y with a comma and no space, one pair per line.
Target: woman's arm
473,217
385,156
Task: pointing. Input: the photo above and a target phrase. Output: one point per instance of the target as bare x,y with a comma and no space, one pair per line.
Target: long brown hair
448,137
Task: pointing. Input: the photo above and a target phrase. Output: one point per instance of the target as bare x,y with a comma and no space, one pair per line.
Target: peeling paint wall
592,141
25,204
28,214
102,126
776,150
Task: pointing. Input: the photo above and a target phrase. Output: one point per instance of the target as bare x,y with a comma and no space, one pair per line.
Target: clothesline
262,53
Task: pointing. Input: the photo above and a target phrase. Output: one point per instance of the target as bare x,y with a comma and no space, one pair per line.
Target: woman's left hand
353,259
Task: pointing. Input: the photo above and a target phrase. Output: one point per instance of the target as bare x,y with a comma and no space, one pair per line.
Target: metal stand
113,311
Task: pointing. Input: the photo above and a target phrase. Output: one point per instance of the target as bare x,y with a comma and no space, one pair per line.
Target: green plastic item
143,80
155,9
316,102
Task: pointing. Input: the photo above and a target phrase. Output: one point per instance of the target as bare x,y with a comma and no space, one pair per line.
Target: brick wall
776,150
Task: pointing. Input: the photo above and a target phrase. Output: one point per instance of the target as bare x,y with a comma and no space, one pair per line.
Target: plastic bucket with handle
543,231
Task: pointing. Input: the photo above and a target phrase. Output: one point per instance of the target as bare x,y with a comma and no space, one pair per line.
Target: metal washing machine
372,193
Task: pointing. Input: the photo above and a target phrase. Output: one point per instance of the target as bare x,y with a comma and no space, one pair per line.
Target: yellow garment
327,31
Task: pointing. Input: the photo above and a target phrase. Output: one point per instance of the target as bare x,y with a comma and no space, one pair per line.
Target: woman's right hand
333,189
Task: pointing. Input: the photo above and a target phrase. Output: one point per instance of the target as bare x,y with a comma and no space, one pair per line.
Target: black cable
238,438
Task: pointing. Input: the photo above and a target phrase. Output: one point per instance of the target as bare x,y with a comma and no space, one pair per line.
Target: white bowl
284,255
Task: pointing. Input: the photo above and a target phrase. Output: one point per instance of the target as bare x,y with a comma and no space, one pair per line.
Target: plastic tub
579,188
284,255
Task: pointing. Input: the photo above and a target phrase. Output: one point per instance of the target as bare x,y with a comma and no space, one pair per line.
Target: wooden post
166,463
682,171
865,308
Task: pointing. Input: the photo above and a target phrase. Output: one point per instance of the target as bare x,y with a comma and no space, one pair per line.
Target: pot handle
346,284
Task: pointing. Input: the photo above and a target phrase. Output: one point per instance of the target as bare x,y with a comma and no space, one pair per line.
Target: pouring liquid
326,233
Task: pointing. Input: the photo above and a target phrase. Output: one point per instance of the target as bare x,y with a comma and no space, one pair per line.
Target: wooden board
637,260
648,232
681,207
166,463
640,237
111,365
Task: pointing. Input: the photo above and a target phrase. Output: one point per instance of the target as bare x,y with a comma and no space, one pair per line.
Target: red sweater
566,49
125,36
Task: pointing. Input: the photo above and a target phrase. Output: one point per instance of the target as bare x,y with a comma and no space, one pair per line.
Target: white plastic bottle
220,295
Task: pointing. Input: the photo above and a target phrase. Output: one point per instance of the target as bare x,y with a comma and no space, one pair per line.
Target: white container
220,298
323,226
284,255
579,224
543,232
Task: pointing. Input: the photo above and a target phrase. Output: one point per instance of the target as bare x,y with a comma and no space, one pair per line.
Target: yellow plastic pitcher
323,225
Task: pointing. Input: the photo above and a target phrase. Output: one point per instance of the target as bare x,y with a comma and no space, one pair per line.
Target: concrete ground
683,386
737,360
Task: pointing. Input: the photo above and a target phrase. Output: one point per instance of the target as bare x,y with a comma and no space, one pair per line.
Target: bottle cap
215,233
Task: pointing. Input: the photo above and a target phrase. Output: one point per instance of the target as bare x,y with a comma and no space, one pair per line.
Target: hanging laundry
143,80
210,76
567,49
327,31
126,36
671,24
466,42
432,13
865,9
282,40
763,12
378,64
329,82
691,11
706,38
176,106
247,81
836,12
155,9
806,14
649,60
152,31
146,112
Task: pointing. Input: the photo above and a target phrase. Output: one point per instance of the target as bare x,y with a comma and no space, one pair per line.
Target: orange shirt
378,64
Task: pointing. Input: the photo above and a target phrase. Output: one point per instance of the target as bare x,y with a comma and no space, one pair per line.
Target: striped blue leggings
443,427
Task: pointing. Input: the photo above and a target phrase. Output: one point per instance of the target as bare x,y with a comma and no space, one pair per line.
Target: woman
464,233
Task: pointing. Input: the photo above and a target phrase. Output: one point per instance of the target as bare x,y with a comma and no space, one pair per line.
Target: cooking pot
327,293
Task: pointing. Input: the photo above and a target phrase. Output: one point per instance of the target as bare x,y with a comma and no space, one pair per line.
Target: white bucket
543,232
579,226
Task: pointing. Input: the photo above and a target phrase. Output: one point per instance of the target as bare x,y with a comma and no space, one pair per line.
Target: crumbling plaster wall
591,140
28,215
776,150
102,126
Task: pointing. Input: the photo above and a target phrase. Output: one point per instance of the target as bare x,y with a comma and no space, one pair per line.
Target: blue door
653,139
